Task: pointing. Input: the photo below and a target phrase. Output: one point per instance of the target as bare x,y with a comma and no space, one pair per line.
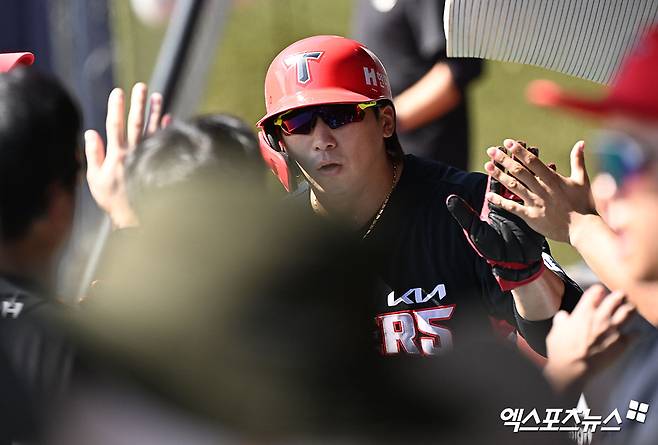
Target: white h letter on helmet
370,75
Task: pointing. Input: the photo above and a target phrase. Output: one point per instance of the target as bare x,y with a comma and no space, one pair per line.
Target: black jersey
435,289
409,40
37,354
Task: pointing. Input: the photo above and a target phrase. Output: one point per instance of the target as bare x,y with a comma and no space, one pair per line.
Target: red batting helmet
11,60
313,71
634,92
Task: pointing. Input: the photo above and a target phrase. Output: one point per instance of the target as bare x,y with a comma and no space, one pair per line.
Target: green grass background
258,29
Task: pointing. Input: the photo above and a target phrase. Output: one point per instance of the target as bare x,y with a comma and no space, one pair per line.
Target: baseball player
329,135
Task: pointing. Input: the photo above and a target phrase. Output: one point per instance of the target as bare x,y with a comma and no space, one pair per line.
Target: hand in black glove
512,248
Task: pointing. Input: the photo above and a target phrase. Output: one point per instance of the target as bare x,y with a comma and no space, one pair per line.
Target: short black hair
208,144
391,143
39,141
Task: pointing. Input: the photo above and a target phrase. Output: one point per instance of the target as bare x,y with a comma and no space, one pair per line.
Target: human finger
622,314
529,160
512,184
155,113
136,114
508,204
114,124
589,301
94,151
483,237
609,305
166,120
515,169
560,317
577,159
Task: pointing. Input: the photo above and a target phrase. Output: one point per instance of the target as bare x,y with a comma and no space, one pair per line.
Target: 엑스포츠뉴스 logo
300,61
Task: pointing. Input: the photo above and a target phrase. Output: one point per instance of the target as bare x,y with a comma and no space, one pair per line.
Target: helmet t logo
301,61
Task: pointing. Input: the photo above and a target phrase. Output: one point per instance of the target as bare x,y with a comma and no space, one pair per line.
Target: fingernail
491,151
581,146
508,143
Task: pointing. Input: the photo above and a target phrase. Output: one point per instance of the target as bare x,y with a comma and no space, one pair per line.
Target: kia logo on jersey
301,62
420,295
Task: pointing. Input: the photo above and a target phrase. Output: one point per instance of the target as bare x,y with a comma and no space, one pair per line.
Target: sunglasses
621,156
302,121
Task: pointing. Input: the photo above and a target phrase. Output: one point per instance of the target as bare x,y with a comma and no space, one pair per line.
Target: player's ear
387,120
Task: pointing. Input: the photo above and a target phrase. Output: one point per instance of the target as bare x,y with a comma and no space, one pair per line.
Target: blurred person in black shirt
429,89
39,166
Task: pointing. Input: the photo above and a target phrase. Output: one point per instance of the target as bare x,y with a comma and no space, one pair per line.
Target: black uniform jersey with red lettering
435,289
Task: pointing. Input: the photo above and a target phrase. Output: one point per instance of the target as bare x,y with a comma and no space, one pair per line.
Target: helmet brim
545,93
9,61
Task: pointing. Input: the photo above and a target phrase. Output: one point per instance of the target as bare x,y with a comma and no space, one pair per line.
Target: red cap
634,91
11,60
323,70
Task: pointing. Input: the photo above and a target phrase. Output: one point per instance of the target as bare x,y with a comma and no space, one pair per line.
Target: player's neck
360,205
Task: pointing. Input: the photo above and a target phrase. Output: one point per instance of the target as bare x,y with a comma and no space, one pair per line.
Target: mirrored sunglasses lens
338,115
298,123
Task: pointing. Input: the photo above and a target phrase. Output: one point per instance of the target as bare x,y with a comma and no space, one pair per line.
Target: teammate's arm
436,93
431,97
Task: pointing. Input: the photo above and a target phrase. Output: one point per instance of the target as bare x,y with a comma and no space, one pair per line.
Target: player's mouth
329,168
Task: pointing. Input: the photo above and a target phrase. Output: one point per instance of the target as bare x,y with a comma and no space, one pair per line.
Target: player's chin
334,185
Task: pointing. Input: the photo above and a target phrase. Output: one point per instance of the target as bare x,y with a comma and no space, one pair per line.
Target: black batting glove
504,240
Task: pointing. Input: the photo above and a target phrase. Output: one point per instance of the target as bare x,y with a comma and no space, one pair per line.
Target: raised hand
106,169
550,200
588,339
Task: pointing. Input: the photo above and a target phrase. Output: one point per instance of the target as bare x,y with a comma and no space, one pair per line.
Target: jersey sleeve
426,19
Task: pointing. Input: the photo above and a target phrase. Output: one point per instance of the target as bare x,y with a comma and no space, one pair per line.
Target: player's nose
323,136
